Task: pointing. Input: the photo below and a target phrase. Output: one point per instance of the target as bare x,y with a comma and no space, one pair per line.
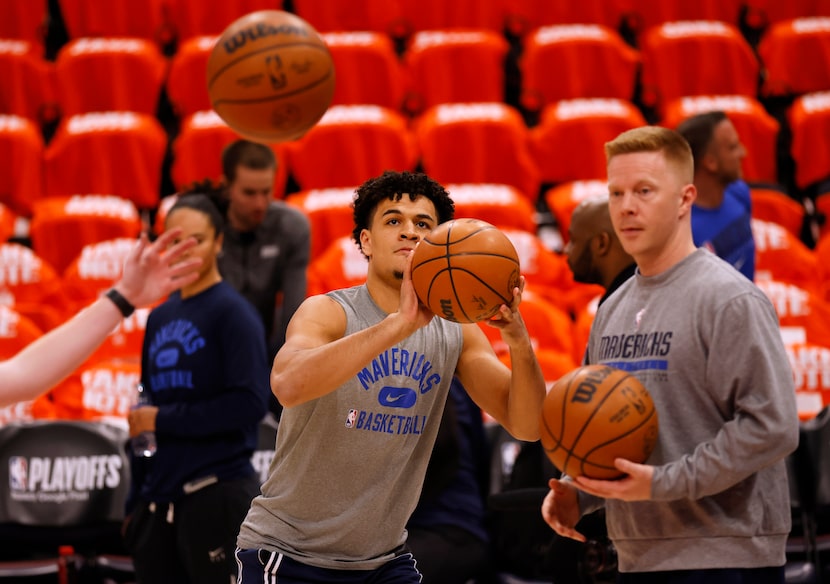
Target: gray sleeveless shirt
349,466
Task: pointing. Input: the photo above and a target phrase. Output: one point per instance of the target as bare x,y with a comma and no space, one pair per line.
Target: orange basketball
593,415
270,76
464,270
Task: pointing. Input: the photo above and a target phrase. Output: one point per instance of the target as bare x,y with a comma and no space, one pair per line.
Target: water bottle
144,444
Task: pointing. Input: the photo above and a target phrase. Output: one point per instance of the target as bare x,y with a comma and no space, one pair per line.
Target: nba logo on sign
18,473
351,418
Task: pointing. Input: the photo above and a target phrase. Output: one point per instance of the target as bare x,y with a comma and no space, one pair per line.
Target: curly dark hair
392,185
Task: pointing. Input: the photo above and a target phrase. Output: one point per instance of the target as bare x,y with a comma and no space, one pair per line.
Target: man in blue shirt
722,211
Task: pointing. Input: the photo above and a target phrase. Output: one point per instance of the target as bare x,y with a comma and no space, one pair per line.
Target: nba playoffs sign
62,473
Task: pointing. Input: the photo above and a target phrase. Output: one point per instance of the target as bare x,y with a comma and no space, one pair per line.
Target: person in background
267,243
447,533
151,272
204,366
712,503
364,376
595,254
722,211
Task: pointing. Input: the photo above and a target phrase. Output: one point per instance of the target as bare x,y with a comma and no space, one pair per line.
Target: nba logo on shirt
350,419
18,473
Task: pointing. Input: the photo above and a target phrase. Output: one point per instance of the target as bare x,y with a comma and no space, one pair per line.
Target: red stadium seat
62,226
795,55
109,74
31,286
351,144
383,16
454,66
16,333
116,18
644,14
25,21
797,307
28,87
822,253
686,58
99,392
762,13
781,256
341,265
118,153
355,53
185,84
8,223
329,212
197,152
462,14
191,18
809,363
757,129
501,205
477,143
809,121
524,16
21,156
585,125
563,199
576,61
95,269
777,207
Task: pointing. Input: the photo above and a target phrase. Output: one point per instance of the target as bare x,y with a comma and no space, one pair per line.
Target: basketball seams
584,458
234,62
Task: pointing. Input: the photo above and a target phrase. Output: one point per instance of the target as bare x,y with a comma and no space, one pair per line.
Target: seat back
760,14
809,122
585,125
185,83
776,206
109,74
501,205
641,15
329,212
95,269
420,15
798,307
197,152
102,391
477,143
796,56
809,363
62,226
8,223
116,18
523,16
115,153
355,53
454,66
28,88
757,129
191,18
25,21
340,265
383,16
782,256
702,57
350,144
571,61
31,286
564,198
21,156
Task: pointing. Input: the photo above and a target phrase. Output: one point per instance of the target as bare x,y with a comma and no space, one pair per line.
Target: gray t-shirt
349,466
706,343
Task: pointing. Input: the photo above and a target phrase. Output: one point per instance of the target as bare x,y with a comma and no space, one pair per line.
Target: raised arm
151,271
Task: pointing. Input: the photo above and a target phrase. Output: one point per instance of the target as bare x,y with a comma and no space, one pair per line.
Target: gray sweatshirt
705,341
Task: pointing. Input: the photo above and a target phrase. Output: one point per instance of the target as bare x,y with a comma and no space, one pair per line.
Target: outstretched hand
560,509
154,270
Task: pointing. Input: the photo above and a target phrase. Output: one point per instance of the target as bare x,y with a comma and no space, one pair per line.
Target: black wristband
122,303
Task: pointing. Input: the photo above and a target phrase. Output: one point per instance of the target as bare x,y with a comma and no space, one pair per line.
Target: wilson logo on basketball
258,31
586,389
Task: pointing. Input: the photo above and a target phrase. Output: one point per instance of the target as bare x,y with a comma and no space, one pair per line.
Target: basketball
270,76
593,415
464,270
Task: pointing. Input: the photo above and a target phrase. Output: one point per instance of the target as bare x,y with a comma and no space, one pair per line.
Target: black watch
122,303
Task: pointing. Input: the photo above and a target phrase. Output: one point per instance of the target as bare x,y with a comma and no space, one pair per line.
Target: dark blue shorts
264,567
